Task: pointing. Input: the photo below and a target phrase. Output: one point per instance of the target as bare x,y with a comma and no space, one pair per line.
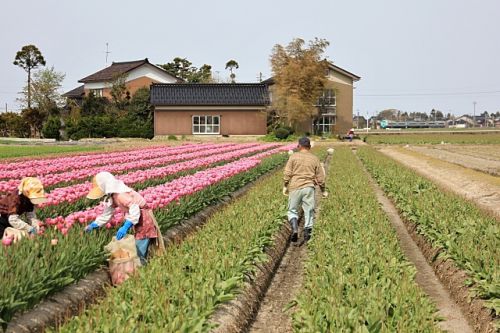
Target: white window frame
97,92
329,95
207,122
321,124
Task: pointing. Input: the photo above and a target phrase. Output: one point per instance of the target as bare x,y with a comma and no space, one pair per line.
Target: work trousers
142,246
304,197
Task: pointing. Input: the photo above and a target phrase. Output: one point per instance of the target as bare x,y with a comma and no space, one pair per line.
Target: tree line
45,113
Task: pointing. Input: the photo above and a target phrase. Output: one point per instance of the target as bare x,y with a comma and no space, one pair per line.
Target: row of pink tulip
75,192
65,164
88,156
53,179
162,195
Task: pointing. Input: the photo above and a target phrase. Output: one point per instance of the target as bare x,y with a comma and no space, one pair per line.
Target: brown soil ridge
438,277
236,315
57,308
469,184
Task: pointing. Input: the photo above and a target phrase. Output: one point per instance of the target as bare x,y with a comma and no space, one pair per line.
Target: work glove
92,226
285,190
325,194
123,230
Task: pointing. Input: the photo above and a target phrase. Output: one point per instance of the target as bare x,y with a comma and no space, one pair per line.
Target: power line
431,94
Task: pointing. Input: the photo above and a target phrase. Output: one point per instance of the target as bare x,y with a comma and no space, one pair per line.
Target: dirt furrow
287,281
454,319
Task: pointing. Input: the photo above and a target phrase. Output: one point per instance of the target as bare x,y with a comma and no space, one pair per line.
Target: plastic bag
15,234
123,261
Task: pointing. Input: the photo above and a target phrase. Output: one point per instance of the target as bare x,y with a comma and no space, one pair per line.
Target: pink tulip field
176,181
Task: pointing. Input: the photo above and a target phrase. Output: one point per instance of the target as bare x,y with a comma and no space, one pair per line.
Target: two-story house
137,74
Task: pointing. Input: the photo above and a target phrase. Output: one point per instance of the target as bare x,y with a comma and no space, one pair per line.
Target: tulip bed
356,277
125,164
62,201
33,269
180,290
458,228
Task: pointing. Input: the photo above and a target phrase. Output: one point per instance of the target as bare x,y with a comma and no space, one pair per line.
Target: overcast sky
411,55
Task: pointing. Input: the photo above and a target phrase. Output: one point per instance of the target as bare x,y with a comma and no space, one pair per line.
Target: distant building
138,74
335,106
210,109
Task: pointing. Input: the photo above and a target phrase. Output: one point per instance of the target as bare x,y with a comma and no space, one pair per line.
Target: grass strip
356,277
10,151
463,233
434,138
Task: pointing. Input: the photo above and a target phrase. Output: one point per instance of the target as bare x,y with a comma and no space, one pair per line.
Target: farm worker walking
133,205
302,172
21,202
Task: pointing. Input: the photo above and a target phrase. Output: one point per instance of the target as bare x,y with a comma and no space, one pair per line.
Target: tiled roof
116,68
77,92
223,94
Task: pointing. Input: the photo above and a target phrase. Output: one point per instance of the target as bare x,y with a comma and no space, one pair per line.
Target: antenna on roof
107,52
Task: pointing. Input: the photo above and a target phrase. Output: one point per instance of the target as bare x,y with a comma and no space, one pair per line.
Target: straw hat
32,189
105,183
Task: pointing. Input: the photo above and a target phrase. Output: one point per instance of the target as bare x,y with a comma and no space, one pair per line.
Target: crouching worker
19,203
134,207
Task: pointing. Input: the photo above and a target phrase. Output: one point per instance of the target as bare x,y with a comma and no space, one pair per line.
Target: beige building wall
344,100
232,121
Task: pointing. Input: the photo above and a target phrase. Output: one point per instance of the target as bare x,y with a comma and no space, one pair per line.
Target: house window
328,98
324,124
96,92
206,124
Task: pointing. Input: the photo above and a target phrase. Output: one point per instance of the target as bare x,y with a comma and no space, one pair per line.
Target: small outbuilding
210,109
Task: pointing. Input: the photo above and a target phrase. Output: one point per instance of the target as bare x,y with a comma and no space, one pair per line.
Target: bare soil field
482,189
480,158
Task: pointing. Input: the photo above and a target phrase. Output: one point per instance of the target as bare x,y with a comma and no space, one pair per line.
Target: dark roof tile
185,94
116,68
77,92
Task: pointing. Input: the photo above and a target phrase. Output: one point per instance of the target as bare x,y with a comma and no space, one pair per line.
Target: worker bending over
18,203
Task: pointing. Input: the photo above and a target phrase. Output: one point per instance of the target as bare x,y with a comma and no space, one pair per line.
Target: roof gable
119,68
340,70
211,94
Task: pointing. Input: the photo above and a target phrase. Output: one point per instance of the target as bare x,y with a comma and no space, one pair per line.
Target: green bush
51,128
282,133
172,137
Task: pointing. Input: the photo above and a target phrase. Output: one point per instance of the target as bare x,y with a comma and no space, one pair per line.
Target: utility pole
259,77
367,122
357,120
474,117
6,108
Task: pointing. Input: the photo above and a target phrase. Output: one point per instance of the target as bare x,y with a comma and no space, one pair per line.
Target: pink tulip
54,241
7,241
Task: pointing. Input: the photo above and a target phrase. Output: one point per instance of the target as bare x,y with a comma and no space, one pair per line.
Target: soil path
473,162
480,188
454,320
272,316
285,285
